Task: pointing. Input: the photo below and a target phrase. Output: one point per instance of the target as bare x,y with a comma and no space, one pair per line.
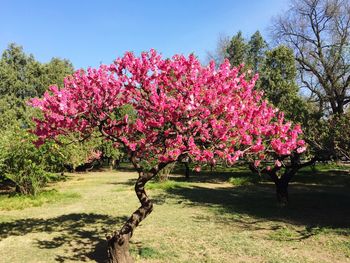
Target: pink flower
132,146
257,163
301,149
197,169
301,143
278,163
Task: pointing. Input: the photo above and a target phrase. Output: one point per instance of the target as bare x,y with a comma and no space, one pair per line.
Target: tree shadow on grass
217,175
328,178
81,234
308,175
312,206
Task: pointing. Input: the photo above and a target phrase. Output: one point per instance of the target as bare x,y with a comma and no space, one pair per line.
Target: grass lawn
222,216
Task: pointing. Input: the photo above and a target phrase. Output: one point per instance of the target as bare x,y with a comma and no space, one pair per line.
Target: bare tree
319,33
219,54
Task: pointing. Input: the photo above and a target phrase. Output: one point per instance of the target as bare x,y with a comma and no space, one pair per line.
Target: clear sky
92,32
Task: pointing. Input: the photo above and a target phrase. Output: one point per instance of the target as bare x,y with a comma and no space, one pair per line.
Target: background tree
257,47
278,81
220,53
19,73
180,109
55,71
319,32
236,51
24,77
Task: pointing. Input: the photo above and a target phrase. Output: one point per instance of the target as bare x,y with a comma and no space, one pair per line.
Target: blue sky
92,32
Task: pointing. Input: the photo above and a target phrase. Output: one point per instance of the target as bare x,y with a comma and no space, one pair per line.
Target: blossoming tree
178,109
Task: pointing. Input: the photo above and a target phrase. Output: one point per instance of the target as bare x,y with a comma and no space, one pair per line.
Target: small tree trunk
187,170
282,191
282,184
117,163
18,189
118,243
111,164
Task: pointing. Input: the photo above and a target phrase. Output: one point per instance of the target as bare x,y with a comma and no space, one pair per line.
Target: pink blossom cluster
93,156
179,108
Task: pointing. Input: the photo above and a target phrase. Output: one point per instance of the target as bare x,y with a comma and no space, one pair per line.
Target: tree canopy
179,107
23,77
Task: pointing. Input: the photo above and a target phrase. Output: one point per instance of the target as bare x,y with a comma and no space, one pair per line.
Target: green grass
207,218
145,253
18,202
246,180
166,185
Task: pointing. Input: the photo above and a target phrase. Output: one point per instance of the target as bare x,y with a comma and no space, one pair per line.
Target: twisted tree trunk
118,243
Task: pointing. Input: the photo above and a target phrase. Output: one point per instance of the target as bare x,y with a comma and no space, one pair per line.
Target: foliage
55,71
181,109
257,47
278,81
329,137
74,151
250,53
21,162
339,127
14,112
237,50
22,76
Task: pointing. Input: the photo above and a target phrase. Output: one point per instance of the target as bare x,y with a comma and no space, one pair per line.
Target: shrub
21,162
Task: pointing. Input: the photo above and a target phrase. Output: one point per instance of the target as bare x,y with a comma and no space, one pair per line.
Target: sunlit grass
18,202
166,185
218,216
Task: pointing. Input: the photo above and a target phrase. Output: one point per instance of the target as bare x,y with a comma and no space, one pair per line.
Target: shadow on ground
82,235
317,198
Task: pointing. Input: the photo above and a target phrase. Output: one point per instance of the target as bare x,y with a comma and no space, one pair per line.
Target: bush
21,162
330,138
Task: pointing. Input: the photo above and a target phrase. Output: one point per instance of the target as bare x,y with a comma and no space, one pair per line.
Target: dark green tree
56,70
256,51
19,73
24,77
236,51
278,81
